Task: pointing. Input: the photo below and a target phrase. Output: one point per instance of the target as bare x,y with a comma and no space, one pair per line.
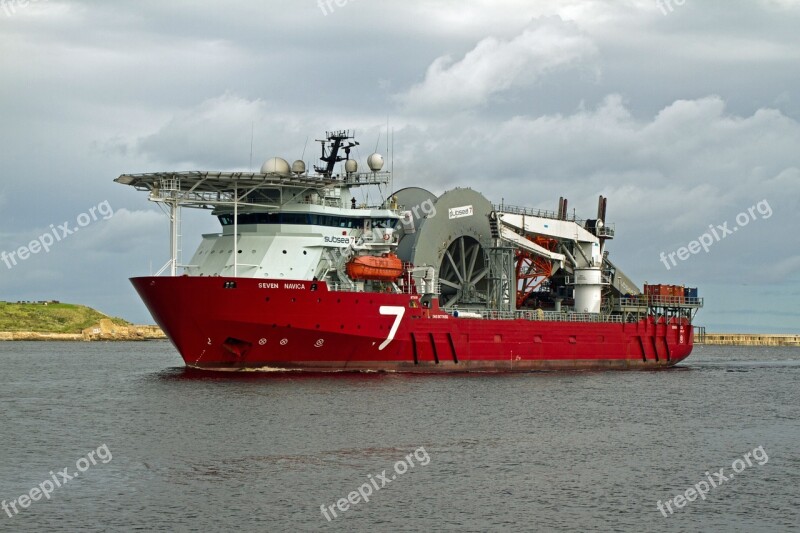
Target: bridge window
306,219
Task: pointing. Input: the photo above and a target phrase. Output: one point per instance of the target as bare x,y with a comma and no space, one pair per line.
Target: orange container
678,293
658,290
669,293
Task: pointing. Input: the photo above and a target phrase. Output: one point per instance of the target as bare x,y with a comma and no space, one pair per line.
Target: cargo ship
333,270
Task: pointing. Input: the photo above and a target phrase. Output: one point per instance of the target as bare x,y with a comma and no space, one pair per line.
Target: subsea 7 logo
398,312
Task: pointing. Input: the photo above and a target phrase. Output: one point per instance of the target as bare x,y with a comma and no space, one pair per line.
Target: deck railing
643,300
607,231
536,315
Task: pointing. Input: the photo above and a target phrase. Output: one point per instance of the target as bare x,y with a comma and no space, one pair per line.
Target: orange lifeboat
386,268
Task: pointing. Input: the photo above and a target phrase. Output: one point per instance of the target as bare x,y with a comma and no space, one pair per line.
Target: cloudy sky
683,115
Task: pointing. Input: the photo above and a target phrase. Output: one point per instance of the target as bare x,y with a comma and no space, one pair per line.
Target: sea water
149,445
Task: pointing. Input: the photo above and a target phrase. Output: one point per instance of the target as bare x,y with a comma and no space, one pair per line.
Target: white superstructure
282,222
301,241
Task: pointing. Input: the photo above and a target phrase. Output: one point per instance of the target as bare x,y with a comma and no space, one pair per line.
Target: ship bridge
279,202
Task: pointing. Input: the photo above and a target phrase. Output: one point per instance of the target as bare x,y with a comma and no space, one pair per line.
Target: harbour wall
747,339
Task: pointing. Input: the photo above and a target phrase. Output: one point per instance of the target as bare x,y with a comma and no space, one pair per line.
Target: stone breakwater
741,339
105,330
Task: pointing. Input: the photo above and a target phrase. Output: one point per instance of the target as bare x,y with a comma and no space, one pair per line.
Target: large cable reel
453,238
417,205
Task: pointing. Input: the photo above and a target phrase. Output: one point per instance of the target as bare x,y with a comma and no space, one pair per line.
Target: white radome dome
375,162
351,166
275,165
299,166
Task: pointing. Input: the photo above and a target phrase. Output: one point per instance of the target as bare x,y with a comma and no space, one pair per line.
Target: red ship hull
244,323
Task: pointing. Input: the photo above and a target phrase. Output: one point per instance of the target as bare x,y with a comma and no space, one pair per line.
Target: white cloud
495,66
782,4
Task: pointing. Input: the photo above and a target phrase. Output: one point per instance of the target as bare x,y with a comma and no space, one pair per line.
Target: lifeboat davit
385,268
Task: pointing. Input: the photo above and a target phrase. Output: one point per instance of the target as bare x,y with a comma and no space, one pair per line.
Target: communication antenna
388,156
377,144
303,157
252,133
391,164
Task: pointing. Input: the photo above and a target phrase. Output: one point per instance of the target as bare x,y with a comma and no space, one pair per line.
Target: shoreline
747,339
105,330
33,336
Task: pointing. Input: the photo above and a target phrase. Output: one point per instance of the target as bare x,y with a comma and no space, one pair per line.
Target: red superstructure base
221,323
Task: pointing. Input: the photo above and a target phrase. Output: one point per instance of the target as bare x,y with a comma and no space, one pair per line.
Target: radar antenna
331,145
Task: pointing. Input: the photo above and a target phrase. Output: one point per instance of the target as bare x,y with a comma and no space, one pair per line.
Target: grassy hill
50,318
